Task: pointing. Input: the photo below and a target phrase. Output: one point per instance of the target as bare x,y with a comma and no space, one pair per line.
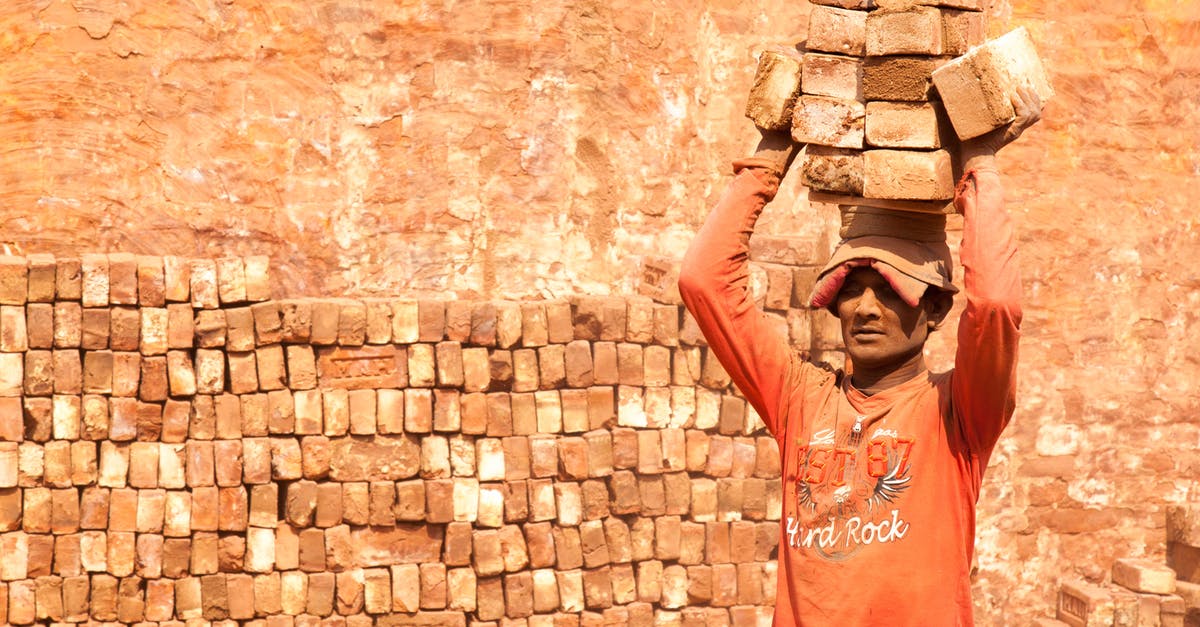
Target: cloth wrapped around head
907,249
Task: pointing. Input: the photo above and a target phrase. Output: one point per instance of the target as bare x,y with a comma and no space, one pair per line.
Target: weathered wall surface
491,150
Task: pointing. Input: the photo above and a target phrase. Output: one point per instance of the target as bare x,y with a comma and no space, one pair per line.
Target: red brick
39,325
93,329
524,413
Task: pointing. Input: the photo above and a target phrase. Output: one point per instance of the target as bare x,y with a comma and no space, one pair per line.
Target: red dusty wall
498,150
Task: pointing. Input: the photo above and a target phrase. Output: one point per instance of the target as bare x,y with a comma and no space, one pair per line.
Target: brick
518,595
595,499
910,30
271,367
351,322
568,499
826,121
1143,575
534,330
977,87
286,459
458,320
94,280
559,324
1083,605
525,376
832,29
538,545
833,75
548,407
39,325
15,416
153,383
1184,559
639,320
908,174
122,279
232,509
13,280
93,330
542,504
551,366
962,30
14,336
257,279
251,415
906,125
906,78
776,85
39,278
231,280
68,321
295,320
486,556
570,591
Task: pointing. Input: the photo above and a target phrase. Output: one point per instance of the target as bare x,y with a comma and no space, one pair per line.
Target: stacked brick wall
176,446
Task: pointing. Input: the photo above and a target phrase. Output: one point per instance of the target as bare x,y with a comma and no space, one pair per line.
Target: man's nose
868,304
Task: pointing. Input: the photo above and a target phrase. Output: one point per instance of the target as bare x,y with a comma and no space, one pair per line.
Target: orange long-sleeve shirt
878,521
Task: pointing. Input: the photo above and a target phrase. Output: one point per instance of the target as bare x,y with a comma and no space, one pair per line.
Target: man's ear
937,306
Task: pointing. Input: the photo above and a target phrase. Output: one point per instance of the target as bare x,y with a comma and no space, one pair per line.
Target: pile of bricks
176,446
862,96
1143,593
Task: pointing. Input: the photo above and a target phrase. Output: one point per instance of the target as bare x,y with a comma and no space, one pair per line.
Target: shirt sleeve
985,365
714,284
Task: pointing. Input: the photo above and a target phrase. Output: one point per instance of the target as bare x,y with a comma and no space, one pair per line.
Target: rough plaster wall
491,149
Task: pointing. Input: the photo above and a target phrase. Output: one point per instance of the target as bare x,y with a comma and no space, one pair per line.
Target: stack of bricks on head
862,96
178,446
1143,592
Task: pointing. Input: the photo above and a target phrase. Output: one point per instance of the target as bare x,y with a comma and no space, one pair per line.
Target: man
881,464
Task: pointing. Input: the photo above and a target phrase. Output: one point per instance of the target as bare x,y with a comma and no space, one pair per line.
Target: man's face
881,331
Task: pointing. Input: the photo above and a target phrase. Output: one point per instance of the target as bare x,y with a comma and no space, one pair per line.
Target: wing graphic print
889,486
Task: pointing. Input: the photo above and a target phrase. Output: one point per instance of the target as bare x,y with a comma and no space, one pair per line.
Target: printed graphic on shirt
847,492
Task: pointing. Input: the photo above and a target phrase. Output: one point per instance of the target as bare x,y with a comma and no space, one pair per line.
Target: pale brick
12,369
1143,575
908,175
905,125
94,280
977,88
832,75
772,97
832,29
257,278
913,30
826,121
231,280
68,320
203,284
14,336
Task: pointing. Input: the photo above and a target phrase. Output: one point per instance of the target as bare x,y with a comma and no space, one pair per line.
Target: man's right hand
778,148
1028,108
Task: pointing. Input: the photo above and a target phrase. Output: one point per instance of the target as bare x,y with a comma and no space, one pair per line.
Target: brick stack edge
1142,592
176,446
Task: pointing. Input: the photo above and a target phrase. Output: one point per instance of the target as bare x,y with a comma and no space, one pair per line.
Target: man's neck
871,381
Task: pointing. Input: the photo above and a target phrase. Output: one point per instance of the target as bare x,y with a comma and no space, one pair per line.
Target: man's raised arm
714,281
988,333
